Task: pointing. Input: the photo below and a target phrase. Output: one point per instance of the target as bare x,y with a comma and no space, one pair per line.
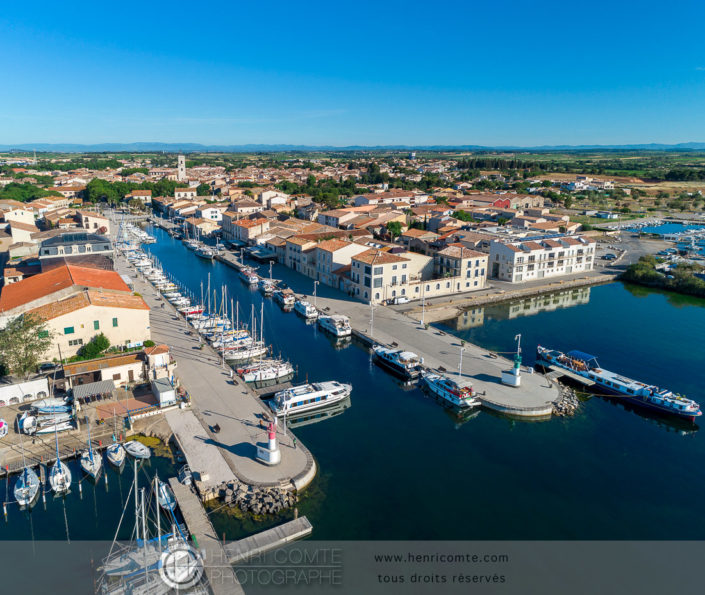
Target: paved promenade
219,400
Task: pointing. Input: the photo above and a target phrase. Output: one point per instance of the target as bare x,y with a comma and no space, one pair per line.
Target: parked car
609,256
400,299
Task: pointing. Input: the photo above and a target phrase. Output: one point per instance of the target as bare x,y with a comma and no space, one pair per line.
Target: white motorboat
185,475
4,428
336,324
59,427
305,309
285,298
309,396
137,450
454,391
248,275
52,405
205,252
267,286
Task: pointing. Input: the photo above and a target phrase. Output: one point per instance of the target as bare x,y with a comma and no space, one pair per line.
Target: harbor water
395,464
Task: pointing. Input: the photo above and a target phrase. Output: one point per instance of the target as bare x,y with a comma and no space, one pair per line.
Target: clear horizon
368,74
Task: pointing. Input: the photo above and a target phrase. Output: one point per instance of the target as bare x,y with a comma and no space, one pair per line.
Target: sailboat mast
137,505
261,323
159,516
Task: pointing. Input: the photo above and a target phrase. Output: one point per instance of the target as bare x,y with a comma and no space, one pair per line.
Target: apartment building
185,193
518,262
470,266
93,222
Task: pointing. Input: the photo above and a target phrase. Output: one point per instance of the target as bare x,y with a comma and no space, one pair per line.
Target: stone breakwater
567,404
257,500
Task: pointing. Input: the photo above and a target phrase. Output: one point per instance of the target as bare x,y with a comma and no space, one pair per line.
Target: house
185,193
518,262
19,214
144,196
246,230
469,265
333,254
300,254
93,222
68,191
269,198
211,212
198,227
78,303
390,197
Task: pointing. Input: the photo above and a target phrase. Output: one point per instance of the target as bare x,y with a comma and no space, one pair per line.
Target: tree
23,342
203,190
94,347
394,228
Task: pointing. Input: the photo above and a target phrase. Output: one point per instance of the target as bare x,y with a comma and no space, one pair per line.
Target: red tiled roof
44,284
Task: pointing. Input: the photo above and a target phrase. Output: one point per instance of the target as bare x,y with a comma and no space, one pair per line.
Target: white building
518,262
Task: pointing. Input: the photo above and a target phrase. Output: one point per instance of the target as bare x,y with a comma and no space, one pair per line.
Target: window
403,265
394,267
377,282
114,321
96,325
379,270
394,280
68,330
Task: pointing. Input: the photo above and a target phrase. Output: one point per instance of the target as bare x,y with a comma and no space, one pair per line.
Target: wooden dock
221,577
242,550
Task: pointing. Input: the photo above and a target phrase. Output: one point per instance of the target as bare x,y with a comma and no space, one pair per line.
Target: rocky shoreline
256,500
567,404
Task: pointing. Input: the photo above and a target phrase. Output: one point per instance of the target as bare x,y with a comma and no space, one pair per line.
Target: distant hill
255,148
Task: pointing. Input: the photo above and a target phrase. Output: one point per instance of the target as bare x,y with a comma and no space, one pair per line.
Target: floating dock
244,549
221,577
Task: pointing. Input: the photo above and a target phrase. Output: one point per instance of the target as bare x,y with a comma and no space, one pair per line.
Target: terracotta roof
332,245
552,244
374,256
532,246
44,284
299,241
89,298
460,251
23,226
101,364
116,300
62,307
157,349
418,233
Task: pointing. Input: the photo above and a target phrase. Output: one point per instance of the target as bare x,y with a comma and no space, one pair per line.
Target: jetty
232,417
260,543
221,577
483,368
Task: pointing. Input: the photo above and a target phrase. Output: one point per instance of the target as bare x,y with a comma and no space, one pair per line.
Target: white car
400,299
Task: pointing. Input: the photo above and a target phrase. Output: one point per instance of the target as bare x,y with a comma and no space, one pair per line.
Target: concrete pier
221,577
242,550
222,401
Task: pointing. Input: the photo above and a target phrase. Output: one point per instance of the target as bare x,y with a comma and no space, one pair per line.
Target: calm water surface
396,465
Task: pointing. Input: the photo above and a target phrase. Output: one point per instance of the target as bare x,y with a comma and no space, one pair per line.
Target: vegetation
681,278
91,163
394,229
24,192
463,215
113,192
23,342
95,347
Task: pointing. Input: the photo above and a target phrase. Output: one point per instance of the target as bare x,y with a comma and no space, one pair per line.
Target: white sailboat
137,450
27,485
60,474
91,462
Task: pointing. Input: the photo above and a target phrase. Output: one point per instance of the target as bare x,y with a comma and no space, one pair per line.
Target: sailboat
60,474
115,452
165,495
27,485
91,463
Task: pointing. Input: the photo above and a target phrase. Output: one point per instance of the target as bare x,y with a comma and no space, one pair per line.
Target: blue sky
371,73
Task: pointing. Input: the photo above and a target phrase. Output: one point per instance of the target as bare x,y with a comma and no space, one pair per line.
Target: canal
396,465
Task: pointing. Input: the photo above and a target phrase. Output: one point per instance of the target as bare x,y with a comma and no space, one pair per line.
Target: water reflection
313,417
476,317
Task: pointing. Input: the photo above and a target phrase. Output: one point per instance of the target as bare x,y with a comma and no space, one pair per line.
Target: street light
460,365
372,319
315,301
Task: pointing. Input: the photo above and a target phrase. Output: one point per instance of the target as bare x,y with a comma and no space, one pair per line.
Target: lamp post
315,285
270,270
460,365
372,319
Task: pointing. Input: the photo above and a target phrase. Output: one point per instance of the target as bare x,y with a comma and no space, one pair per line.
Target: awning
93,388
581,355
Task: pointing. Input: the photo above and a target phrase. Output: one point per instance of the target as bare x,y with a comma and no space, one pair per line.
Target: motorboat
454,390
405,364
185,475
52,405
4,428
248,275
336,324
305,309
285,297
309,396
